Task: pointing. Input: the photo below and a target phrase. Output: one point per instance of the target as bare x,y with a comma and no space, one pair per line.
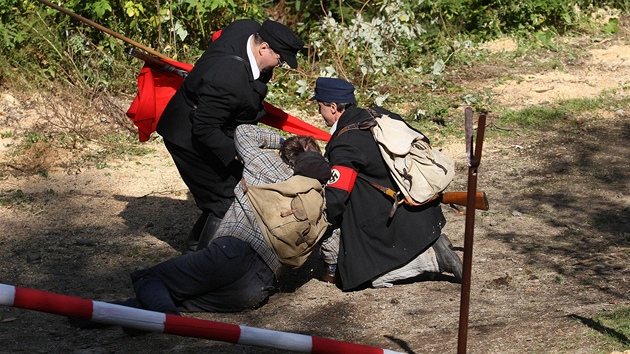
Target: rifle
461,198
156,63
458,198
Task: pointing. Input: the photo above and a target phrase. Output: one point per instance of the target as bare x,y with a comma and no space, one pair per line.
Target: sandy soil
551,252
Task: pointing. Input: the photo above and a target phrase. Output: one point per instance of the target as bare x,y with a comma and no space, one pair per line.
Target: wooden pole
474,158
104,29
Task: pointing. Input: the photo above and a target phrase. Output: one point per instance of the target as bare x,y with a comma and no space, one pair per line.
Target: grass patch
16,197
613,328
533,117
124,145
545,116
12,197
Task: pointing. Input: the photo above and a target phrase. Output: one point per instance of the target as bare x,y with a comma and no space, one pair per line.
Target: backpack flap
436,168
420,171
395,135
290,217
308,207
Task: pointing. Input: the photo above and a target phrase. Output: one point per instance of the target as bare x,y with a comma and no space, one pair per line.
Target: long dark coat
218,94
371,242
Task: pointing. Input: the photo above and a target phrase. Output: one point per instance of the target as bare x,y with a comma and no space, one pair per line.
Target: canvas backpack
420,171
291,216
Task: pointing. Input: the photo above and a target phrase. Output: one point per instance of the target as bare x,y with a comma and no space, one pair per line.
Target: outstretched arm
257,148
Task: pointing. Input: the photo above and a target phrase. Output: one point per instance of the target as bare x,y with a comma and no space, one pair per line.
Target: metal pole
104,29
474,158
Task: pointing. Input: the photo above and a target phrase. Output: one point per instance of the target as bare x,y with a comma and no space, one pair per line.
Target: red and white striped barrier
103,312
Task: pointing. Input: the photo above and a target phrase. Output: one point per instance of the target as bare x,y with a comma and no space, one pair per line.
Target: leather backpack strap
348,127
363,125
373,113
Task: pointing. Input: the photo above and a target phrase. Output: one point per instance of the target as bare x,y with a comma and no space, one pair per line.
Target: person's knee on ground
153,295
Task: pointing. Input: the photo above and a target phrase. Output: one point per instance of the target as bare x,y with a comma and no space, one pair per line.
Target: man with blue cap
375,250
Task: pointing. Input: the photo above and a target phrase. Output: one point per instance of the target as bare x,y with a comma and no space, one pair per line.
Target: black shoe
447,259
207,234
191,243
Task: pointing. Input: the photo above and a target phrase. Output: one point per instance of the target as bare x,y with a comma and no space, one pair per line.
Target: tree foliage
360,40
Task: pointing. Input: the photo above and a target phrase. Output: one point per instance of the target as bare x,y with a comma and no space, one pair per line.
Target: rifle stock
156,63
460,198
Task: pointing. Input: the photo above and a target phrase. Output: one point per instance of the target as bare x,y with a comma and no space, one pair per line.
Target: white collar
334,127
252,59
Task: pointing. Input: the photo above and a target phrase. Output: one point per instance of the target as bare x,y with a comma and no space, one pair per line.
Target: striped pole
104,312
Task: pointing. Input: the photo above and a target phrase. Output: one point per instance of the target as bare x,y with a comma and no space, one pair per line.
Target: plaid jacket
257,148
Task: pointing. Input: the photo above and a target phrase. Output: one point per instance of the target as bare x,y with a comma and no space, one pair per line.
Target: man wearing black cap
226,88
375,249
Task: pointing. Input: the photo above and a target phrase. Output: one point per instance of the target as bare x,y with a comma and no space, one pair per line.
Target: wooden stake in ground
473,155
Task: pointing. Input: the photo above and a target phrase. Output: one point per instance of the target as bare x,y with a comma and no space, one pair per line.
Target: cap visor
290,59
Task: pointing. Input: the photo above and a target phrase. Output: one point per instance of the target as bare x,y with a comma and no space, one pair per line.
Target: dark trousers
226,276
208,179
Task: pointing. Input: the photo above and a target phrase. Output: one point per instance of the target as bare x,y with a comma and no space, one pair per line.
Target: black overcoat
371,242
219,93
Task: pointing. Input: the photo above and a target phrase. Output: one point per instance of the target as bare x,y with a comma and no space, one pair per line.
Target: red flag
278,118
156,87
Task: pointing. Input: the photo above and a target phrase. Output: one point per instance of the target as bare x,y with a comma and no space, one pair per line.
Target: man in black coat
226,87
372,243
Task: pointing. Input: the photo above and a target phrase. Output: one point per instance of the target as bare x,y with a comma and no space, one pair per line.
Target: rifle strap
388,192
395,195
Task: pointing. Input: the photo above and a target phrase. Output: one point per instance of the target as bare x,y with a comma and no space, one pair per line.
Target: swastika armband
342,178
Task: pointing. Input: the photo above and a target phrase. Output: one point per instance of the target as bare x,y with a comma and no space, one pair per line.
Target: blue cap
328,89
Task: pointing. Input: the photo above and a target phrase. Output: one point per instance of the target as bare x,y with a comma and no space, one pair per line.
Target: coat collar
351,115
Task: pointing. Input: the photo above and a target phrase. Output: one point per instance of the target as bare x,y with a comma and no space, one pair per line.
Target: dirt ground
552,251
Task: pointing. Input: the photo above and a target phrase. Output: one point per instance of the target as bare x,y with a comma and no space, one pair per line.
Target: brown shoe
330,274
